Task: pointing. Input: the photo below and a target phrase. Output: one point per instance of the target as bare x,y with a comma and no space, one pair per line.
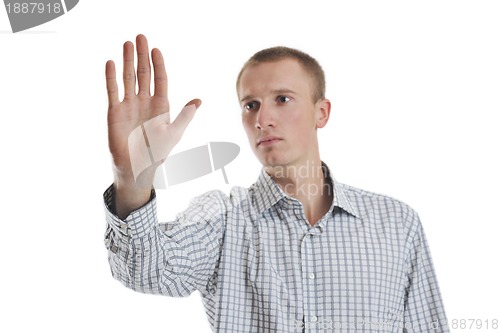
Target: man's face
279,114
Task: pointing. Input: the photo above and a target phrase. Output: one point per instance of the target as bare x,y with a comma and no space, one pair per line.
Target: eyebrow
275,92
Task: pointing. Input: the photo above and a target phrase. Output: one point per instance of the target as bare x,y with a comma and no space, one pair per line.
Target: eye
250,106
283,99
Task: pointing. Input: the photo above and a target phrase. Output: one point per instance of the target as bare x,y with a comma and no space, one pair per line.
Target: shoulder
380,208
362,196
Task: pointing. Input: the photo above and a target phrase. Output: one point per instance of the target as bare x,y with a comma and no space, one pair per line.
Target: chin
273,161
273,158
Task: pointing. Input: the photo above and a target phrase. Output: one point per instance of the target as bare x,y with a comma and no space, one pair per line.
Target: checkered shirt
261,267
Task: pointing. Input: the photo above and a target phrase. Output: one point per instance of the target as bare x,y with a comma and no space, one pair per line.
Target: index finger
160,75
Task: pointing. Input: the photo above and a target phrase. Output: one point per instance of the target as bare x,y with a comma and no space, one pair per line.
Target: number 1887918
33,8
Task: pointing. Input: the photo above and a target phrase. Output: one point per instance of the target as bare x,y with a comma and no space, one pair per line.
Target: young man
295,252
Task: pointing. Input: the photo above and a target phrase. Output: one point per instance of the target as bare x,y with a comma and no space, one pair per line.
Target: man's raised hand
140,134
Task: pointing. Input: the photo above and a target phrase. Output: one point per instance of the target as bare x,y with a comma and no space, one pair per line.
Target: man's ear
322,112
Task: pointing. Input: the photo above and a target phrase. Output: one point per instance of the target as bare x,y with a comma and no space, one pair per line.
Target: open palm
139,130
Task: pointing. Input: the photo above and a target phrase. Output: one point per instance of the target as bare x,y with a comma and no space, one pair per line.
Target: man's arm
424,310
172,259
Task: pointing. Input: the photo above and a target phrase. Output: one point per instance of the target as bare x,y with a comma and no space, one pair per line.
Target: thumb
181,122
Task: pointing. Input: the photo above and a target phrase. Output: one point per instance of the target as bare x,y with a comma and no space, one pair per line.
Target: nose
265,117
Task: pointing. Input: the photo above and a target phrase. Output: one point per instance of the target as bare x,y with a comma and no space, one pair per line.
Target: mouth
267,140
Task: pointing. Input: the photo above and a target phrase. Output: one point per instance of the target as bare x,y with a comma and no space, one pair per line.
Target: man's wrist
130,197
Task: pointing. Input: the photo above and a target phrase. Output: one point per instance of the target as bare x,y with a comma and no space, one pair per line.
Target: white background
415,91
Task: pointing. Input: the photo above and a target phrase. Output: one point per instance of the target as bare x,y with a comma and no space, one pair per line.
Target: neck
307,184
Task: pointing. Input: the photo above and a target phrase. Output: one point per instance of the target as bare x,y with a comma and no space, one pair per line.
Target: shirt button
315,231
314,319
124,228
312,276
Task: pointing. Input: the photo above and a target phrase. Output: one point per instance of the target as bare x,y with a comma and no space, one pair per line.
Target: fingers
143,69
143,65
196,102
111,85
185,116
160,79
128,69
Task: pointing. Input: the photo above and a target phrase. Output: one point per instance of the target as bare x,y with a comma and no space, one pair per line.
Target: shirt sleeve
424,310
173,258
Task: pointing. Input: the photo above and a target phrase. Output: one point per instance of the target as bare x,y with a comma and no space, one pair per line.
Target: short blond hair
308,63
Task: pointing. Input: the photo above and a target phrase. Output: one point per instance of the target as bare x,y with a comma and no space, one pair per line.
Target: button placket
309,278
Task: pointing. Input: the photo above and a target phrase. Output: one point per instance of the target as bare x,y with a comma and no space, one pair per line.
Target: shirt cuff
138,223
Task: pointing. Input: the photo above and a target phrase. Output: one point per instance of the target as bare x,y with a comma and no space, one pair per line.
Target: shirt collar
267,193
341,200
